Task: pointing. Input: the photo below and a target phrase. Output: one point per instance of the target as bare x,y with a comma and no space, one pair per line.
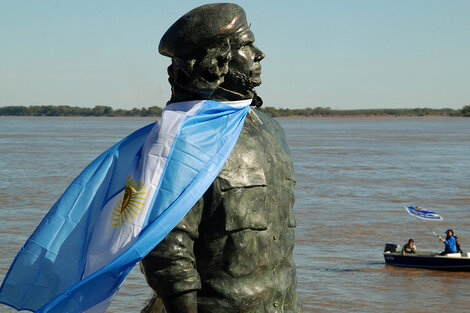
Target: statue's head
213,54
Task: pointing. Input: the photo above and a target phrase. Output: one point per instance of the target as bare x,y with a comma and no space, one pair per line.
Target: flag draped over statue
120,207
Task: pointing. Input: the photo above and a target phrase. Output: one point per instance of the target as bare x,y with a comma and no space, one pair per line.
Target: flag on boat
423,213
120,207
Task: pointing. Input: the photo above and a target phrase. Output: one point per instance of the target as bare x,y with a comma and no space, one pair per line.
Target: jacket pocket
244,199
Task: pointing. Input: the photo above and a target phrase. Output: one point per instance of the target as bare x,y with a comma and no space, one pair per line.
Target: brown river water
353,177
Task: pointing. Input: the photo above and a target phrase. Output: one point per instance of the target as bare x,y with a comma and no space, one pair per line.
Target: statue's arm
170,268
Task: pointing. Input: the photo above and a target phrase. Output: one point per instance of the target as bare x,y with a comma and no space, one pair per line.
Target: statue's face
244,67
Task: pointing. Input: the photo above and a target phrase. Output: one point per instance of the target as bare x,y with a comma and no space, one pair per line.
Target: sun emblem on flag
131,203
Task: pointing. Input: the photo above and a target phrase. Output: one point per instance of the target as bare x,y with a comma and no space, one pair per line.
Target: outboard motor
390,247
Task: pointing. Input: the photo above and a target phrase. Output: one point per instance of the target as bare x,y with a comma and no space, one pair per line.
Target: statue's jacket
235,245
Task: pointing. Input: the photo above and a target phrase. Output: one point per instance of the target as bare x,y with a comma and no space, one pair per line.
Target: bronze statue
233,251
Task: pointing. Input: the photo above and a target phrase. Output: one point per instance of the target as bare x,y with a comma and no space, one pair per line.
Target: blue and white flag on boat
120,207
423,213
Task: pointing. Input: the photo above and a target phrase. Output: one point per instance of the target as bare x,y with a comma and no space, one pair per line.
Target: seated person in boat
409,248
450,242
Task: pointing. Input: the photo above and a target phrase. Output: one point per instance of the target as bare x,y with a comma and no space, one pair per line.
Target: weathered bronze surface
233,251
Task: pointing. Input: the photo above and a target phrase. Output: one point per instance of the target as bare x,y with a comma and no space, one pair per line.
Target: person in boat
409,248
450,242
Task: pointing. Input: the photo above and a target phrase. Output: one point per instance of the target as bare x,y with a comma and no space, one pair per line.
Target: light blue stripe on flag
198,153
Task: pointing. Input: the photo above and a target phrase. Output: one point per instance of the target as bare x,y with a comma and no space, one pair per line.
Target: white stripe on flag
123,217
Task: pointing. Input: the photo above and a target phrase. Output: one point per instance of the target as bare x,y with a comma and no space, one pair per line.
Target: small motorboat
429,260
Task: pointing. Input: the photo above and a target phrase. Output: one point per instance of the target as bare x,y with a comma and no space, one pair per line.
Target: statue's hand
182,303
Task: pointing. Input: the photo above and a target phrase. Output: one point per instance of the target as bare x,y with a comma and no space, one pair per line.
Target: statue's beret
201,27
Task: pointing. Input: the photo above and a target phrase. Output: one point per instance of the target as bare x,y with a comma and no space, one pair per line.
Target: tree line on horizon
326,112
64,110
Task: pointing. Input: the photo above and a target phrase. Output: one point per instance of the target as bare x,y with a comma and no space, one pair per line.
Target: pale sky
340,54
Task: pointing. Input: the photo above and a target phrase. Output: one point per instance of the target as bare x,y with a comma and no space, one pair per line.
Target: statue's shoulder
271,129
268,121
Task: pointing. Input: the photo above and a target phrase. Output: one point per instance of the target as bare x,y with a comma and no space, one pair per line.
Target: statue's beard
239,82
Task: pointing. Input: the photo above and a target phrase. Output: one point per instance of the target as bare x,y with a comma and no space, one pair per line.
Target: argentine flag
423,213
120,207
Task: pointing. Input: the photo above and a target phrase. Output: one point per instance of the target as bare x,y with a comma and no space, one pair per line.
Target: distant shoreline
155,111
280,116
362,116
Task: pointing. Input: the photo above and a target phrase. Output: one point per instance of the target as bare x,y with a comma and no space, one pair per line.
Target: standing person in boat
409,248
450,242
